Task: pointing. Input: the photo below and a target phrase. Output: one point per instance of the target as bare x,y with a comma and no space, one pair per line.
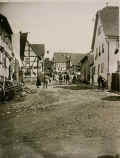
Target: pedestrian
45,82
60,78
99,81
67,78
38,82
64,77
103,83
74,79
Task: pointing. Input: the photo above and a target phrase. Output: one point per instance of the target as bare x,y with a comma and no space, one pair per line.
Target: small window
99,51
116,51
102,48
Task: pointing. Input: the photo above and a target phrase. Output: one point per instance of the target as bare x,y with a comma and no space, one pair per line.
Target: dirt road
64,122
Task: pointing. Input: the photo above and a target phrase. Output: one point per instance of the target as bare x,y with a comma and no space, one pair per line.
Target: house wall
85,71
114,58
5,53
100,43
30,63
105,62
16,46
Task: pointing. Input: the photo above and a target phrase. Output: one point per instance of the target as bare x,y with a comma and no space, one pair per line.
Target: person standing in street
67,78
45,83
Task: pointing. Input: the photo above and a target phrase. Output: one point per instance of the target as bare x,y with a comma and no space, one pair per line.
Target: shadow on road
77,87
112,98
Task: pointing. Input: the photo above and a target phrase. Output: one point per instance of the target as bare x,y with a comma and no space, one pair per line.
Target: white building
64,62
16,46
105,43
33,60
6,52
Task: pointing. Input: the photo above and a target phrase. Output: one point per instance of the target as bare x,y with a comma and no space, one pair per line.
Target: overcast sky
62,25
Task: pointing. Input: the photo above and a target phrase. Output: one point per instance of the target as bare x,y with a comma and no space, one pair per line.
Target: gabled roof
39,49
61,57
5,24
109,17
84,58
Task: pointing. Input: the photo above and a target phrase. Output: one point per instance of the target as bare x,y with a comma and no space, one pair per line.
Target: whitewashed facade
6,52
32,64
105,44
60,67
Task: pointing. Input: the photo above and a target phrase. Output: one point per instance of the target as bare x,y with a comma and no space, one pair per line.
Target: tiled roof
39,49
62,57
110,20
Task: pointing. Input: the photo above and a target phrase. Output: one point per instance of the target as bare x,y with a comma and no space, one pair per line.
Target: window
102,67
27,60
102,48
116,51
99,51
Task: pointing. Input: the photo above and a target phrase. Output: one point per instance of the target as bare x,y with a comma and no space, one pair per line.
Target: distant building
64,62
16,51
6,52
33,60
85,68
105,42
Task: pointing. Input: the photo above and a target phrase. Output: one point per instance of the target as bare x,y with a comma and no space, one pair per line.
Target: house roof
109,17
84,58
75,58
5,24
39,49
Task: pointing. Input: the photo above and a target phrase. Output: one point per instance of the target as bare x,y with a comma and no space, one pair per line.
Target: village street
69,122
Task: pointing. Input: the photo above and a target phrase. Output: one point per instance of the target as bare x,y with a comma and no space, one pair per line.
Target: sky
62,25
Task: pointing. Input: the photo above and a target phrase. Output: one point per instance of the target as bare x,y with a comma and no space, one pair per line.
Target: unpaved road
61,123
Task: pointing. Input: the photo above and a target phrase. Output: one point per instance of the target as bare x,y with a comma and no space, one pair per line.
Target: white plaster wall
16,46
99,40
4,71
113,57
103,58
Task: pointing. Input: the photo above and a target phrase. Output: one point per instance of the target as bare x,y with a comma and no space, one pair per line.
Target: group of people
64,77
46,79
